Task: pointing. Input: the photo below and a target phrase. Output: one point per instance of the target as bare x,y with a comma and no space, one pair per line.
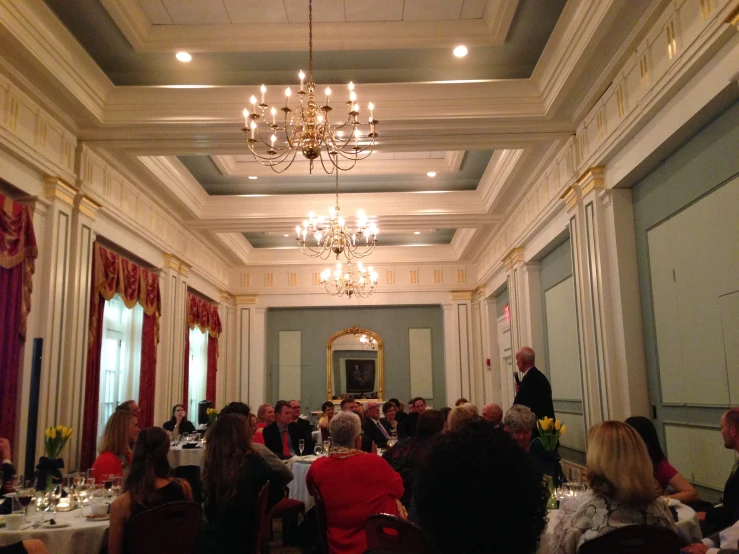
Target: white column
489,337
451,354
244,344
477,388
258,358
72,379
607,295
226,360
458,346
524,293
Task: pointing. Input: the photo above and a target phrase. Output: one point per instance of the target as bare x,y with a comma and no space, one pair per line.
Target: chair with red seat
634,539
264,527
288,510
320,519
171,527
388,533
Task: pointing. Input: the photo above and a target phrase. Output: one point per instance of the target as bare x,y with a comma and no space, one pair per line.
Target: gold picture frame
330,360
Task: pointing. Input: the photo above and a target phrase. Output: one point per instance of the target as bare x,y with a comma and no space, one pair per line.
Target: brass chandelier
308,129
345,282
319,237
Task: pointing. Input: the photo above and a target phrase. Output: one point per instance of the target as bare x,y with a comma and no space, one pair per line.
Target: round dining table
179,456
297,489
79,536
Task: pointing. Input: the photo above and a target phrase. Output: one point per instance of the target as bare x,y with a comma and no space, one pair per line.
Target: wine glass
24,496
317,450
69,488
301,445
326,446
55,495
117,485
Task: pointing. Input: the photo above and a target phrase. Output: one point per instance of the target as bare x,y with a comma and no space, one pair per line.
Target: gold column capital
87,206
246,298
56,188
173,262
592,179
462,294
513,257
733,18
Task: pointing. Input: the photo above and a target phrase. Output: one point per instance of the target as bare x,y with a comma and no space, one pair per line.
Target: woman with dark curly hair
481,468
233,474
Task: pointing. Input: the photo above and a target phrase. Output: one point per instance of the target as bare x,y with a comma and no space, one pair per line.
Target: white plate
98,518
58,525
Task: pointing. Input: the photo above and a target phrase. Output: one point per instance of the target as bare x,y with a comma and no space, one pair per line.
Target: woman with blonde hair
460,415
622,490
121,430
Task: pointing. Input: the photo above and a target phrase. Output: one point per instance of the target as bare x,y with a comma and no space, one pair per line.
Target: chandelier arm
273,166
269,160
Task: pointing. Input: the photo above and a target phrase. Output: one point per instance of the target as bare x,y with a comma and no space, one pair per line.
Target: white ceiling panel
473,9
377,10
432,10
193,12
323,10
156,12
243,12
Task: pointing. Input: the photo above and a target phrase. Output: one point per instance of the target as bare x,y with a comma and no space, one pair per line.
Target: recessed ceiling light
460,51
183,57
253,177
285,235
416,232
431,174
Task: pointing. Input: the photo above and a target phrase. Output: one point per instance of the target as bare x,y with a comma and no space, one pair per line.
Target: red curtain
17,254
205,316
111,275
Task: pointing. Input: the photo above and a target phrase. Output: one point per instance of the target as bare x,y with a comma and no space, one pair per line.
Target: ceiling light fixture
416,232
367,341
347,283
308,129
460,51
431,174
319,238
184,57
253,177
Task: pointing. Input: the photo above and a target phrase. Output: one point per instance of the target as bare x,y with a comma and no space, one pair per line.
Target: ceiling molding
496,175
133,21
461,239
174,177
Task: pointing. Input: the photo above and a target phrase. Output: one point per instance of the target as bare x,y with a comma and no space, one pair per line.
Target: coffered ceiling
487,124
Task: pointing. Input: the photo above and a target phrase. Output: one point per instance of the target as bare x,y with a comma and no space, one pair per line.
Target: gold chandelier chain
310,41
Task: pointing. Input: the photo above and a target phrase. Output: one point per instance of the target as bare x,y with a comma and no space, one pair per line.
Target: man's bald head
492,413
525,359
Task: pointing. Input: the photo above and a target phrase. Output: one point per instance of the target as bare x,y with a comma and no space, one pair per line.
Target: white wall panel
575,436
730,328
419,346
564,353
699,454
289,365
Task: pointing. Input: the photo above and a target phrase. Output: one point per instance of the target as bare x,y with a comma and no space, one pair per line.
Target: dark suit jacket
536,393
273,441
371,432
407,427
721,517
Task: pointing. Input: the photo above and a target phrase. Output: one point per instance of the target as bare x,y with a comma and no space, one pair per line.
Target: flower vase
552,503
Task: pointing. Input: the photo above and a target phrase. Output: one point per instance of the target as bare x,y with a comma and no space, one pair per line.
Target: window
120,359
198,371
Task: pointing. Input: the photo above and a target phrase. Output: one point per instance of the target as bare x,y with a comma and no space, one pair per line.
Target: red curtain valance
203,315
113,274
18,245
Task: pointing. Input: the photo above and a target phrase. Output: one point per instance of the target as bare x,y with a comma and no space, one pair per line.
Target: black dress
185,426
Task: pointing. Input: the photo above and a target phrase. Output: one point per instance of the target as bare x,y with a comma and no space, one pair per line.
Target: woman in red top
354,485
115,454
664,473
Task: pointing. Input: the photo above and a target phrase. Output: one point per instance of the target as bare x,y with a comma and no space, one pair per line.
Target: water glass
55,495
326,446
117,485
317,450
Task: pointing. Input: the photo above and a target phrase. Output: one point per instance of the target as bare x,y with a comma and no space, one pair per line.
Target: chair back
634,539
171,527
264,522
320,518
388,533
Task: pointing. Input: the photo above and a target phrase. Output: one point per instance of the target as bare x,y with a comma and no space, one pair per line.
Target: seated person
33,546
281,473
479,468
348,404
664,473
520,422
724,542
373,431
390,421
461,401
283,436
265,416
622,490
233,475
147,485
178,423
354,485
121,430
461,414
400,414
726,513
403,455
492,413
408,427
328,413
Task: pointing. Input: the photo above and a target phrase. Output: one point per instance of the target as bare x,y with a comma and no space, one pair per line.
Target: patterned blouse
594,514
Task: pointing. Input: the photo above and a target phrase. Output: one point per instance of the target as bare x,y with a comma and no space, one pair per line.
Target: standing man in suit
373,430
535,392
282,437
725,514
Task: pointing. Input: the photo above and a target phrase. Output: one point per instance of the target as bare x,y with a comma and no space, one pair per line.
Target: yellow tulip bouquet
212,414
549,432
55,439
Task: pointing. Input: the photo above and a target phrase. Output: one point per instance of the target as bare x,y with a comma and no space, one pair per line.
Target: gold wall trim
57,188
87,206
733,18
173,262
513,257
354,330
592,179
246,298
462,294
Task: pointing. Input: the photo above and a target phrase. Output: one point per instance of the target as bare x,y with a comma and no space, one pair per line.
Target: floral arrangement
56,440
212,414
549,432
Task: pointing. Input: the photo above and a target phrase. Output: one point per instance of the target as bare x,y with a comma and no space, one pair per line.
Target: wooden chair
320,519
634,539
264,523
288,510
388,533
171,527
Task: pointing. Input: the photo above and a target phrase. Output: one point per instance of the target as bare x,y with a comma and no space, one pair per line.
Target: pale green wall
500,302
391,323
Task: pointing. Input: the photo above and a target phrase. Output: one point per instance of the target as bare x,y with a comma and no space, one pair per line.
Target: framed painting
360,376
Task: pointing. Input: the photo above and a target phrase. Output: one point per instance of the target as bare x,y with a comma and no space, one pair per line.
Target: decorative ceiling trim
176,179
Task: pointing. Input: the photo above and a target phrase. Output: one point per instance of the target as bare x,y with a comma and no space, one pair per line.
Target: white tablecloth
688,526
298,490
81,536
187,457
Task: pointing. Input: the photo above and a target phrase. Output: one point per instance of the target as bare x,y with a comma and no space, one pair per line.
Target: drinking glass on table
55,495
90,474
317,450
301,445
117,485
326,446
97,494
24,496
